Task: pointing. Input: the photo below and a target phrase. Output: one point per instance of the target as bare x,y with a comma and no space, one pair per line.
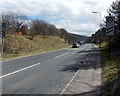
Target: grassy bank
110,73
17,45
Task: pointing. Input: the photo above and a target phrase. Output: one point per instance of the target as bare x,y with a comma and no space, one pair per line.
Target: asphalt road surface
46,73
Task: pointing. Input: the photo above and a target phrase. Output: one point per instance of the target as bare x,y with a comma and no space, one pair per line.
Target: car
80,43
83,42
75,45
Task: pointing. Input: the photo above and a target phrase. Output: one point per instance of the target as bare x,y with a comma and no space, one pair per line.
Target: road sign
110,25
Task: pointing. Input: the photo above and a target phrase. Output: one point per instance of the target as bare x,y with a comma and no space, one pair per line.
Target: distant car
75,45
80,43
83,42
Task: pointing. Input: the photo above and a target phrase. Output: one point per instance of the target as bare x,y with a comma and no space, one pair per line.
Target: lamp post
100,27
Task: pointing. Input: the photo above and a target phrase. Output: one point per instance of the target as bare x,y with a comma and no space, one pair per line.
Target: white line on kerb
63,91
19,70
61,55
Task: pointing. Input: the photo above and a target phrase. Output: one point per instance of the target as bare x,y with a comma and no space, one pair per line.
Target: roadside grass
110,73
102,44
17,45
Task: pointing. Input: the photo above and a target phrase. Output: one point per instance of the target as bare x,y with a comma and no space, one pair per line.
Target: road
46,73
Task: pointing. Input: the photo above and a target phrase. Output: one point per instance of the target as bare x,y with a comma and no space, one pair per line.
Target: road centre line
19,70
21,57
61,55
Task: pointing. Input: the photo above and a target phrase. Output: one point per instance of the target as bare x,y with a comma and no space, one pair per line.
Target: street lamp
100,26
100,17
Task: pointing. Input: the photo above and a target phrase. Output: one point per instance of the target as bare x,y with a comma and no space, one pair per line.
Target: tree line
115,10
100,35
20,24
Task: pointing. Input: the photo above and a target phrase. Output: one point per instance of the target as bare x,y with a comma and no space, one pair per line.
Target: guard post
3,34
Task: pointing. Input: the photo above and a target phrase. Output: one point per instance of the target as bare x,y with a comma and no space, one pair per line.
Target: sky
73,15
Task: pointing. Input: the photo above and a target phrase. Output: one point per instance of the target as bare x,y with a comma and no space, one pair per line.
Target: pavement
90,82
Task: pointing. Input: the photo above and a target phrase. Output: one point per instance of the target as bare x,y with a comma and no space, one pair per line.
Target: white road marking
61,55
32,55
63,91
19,70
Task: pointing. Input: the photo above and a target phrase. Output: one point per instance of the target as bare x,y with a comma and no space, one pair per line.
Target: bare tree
13,21
40,27
115,10
64,34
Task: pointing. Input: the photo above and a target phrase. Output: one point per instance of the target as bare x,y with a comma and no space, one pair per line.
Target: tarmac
87,80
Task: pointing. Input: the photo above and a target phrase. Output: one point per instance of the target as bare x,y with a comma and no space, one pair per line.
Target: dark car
75,45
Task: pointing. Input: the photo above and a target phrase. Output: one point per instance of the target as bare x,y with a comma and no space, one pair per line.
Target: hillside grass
18,45
110,73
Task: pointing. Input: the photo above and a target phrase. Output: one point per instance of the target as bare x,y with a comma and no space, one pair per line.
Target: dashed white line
61,55
19,70
27,67
32,55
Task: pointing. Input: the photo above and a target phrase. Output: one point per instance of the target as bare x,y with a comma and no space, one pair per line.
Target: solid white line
61,55
19,70
69,82
63,91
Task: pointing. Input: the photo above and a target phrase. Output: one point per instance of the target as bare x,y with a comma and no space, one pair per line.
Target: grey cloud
73,15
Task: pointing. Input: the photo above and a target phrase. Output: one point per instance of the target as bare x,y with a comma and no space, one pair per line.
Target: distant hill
77,38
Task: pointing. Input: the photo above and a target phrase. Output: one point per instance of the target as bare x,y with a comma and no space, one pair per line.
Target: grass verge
18,46
110,73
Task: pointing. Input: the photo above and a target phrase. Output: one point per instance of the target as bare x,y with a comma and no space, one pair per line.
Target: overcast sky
74,15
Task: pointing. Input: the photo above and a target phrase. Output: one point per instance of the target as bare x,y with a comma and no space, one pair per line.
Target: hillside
78,37
18,45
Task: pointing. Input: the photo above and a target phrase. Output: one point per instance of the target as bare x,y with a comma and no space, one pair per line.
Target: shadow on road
91,63
71,67
87,51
